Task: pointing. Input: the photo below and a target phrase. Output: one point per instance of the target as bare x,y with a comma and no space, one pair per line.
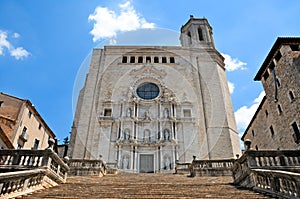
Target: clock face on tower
147,91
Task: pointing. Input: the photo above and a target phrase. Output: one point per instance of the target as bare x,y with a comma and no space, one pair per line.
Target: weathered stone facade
145,107
275,124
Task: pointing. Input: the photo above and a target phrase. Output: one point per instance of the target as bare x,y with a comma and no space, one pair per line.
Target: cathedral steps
145,186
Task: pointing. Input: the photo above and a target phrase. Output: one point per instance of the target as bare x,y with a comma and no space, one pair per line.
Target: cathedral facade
146,107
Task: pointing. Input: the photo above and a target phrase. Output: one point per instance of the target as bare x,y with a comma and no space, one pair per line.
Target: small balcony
24,137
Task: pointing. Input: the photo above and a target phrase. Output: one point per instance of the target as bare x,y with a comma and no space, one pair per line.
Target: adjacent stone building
21,126
275,124
145,107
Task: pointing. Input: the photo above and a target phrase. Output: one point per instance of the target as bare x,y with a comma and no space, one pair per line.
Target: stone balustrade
18,183
182,168
275,172
285,184
221,167
79,167
23,169
112,168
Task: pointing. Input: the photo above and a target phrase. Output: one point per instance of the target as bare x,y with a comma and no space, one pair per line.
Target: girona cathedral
144,108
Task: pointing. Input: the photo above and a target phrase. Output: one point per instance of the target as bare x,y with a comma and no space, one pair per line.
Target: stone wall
271,127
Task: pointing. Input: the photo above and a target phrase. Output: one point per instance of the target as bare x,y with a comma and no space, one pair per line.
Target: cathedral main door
146,163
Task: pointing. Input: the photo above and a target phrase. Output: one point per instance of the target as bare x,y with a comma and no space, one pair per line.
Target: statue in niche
166,113
166,93
130,93
126,134
167,163
147,116
125,162
166,134
129,112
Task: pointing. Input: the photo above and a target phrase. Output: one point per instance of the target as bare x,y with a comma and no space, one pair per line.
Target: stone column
131,157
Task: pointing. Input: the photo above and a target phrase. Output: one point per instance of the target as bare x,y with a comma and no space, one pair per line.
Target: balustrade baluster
294,161
290,162
265,162
22,159
282,160
298,160
259,161
275,161
271,160
7,160
35,161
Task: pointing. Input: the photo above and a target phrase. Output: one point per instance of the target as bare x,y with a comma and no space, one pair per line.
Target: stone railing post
46,162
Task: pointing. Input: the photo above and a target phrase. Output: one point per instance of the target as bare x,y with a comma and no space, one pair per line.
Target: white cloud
16,35
231,87
244,114
3,42
18,53
107,22
232,64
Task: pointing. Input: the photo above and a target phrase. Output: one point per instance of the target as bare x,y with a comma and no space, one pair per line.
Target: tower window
296,134
140,60
29,114
155,59
164,60
107,112
24,131
132,59
148,59
253,133
189,38
279,109
291,95
200,34
172,60
36,144
272,131
124,59
267,113
1,103
40,126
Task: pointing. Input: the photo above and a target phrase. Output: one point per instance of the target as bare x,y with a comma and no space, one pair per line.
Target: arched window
200,34
189,37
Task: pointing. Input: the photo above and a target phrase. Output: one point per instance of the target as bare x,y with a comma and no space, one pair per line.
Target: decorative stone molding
147,69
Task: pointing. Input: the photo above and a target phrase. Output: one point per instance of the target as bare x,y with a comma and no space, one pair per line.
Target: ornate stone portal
146,107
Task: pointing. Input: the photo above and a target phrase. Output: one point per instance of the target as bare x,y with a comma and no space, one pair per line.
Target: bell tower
197,33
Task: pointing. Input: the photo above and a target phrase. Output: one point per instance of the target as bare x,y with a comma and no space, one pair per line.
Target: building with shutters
21,126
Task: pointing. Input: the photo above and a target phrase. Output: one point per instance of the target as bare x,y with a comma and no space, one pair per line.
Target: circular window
147,91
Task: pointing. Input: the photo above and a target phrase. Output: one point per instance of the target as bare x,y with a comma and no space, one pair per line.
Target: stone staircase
145,186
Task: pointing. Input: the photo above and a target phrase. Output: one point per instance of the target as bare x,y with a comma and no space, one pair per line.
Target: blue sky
43,44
